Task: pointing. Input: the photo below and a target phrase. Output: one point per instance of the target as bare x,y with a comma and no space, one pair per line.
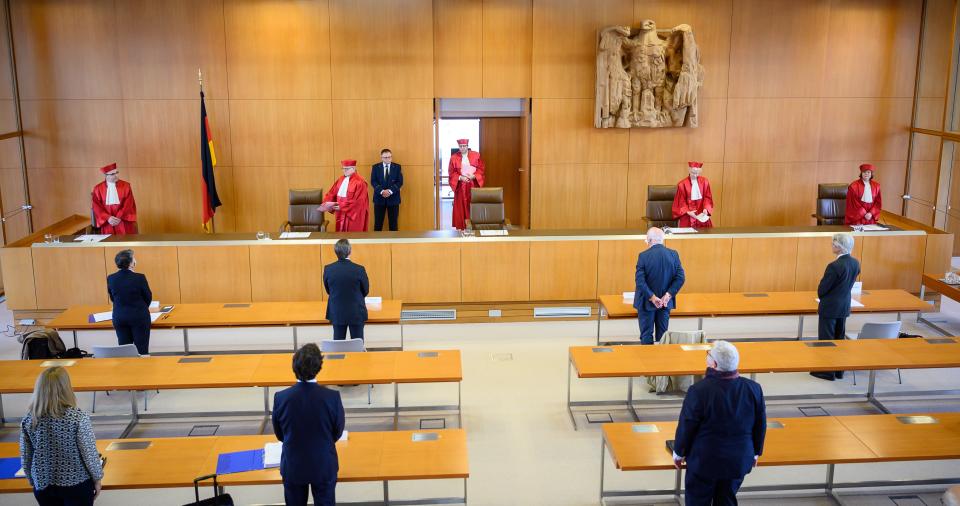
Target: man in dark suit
131,296
658,279
834,294
723,423
308,419
347,285
386,179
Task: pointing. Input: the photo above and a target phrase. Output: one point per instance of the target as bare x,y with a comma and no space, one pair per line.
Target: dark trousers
340,331
832,328
650,319
324,494
393,213
702,491
134,332
80,494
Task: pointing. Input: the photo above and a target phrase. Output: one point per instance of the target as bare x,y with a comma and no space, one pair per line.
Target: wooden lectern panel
426,272
69,276
495,271
286,273
813,255
18,282
763,264
893,262
706,263
617,265
375,258
214,273
564,270
158,263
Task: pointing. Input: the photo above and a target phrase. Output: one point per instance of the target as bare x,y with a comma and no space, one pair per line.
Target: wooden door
501,141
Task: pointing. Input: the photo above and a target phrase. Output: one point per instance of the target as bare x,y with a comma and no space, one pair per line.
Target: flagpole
213,219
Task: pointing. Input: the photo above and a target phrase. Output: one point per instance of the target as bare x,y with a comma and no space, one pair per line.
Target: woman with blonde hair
57,445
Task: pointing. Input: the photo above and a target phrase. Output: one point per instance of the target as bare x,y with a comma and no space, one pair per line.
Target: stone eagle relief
650,78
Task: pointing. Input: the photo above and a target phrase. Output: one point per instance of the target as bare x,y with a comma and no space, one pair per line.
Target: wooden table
762,357
365,456
935,282
210,315
796,441
713,305
234,371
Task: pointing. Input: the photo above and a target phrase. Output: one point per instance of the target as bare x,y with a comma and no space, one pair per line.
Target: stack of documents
294,235
91,237
680,230
250,460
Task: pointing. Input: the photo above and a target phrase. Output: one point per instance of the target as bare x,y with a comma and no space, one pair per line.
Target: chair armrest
646,219
285,227
323,227
469,224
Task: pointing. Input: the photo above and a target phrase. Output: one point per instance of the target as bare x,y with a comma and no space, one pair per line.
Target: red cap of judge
463,141
866,167
108,168
348,163
695,164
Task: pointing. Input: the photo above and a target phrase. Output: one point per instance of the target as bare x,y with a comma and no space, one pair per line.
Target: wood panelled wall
796,93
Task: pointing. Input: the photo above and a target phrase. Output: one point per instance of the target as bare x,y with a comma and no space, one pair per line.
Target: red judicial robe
857,209
126,210
352,216
461,189
682,203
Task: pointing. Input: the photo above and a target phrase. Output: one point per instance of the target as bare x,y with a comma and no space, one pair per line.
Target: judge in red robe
464,172
114,209
694,199
863,207
348,200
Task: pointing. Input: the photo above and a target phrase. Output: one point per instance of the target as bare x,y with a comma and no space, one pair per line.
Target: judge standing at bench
130,294
658,278
466,171
347,286
114,208
386,179
693,203
347,200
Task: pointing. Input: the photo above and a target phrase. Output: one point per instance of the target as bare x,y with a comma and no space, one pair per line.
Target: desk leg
460,411
573,420
800,329
396,407
464,491
899,317
295,344
386,493
75,345
831,494
677,480
630,407
871,396
134,415
400,324
603,458
599,315
700,323
186,342
3,419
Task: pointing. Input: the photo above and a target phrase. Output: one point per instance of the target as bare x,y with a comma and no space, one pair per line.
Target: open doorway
498,129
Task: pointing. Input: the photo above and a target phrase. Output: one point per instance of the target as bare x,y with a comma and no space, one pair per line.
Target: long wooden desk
761,357
797,441
365,456
257,314
711,305
935,282
233,371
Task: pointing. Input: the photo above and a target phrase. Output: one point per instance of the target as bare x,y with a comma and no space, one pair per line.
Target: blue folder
238,462
9,467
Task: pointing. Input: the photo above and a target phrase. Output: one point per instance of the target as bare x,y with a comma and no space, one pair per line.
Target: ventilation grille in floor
429,314
561,312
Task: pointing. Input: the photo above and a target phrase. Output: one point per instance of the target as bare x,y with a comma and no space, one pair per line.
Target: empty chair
123,350
487,211
886,330
345,346
660,206
302,215
831,204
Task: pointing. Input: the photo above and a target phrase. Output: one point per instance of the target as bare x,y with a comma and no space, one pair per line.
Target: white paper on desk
294,235
680,230
493,232
628,296
20,474
853,302
271,454
102,317
343,437
373,300
872,228
857,288
91,237
154,304
156,316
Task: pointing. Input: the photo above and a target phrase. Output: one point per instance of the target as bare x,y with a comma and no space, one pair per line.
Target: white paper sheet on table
853,302
294,235
680,230
872,228
91,237
493,232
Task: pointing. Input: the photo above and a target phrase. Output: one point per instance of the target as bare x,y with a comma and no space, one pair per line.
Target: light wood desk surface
762,357
934,282
227,371
745,304
805,441
230,315
365,456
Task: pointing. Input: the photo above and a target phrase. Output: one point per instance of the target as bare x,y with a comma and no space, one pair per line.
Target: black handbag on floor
218,499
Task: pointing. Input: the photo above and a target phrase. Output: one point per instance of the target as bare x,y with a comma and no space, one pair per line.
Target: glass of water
261,235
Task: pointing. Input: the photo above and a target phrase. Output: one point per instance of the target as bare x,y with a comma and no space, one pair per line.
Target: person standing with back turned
834,294
347,285
131,296
658,279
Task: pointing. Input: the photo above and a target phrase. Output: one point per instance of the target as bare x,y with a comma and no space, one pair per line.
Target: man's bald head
654,236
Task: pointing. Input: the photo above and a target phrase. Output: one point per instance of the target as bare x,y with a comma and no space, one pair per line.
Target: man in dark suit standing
723,423
347,285
834,294
131,296
386,179
658,279
308,419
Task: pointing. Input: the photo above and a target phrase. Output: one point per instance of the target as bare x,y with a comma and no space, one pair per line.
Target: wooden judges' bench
441,267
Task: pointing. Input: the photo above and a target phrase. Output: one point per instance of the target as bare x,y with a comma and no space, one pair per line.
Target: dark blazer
346,284
308,419
834,289
723,423
393,183
130,295
658,272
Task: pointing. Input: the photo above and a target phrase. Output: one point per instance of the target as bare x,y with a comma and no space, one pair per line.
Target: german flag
208,160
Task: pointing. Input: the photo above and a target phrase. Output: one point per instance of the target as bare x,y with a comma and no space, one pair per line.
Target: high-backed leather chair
660,205
486,209
831,204
303,215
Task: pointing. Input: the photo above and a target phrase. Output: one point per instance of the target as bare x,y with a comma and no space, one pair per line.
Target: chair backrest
660,205
341,346
885,330
952,496
303,215
486,208
831,204
683,337
124,350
